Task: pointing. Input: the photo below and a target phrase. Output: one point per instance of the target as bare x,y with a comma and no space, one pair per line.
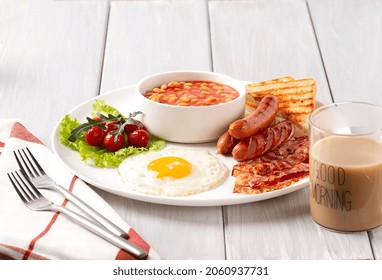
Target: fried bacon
277,169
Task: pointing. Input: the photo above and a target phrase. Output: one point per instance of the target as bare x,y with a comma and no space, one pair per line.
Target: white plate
109,180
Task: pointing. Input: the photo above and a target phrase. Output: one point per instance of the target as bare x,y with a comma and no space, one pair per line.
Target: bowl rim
240,88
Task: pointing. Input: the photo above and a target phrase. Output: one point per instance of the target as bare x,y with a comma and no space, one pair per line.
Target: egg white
207,173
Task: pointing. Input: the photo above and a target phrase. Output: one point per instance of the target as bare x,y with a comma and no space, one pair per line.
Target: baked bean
173,84
185,98
157,90
192,93
172,100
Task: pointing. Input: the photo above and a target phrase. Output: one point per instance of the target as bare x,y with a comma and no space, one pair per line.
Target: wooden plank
282,228
142,40
349,34
376,240
178,233
252,47
50,59
244,47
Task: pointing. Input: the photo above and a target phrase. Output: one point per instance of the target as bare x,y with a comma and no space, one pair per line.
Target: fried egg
172,172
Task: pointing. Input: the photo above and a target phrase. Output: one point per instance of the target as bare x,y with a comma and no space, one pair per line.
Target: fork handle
103,232
88,210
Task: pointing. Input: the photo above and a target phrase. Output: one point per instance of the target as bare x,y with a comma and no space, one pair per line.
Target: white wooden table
56,54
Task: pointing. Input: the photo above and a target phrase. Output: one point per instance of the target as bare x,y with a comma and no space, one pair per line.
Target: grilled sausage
226,143
260,118
263,141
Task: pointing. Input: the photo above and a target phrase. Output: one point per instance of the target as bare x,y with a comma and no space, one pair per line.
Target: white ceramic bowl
189,124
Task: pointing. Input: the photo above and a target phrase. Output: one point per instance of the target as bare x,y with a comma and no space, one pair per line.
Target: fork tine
23,164
28,185
24,195
35,162
31,169
15,184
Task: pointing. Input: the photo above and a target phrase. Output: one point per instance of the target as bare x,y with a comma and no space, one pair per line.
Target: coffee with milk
346,183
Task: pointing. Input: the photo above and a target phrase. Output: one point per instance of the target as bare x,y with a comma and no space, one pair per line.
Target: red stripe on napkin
20,131
29,251
74,179
19,250
136,239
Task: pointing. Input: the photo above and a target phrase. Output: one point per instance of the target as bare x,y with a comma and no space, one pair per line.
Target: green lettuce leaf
66,126
99,106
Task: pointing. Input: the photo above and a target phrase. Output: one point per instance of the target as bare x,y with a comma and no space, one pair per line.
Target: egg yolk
174,167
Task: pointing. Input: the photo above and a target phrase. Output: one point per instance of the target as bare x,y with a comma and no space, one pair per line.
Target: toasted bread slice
273,81
296,98
251,103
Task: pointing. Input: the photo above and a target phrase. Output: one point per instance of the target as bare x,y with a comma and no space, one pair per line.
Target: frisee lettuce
99,106
96,155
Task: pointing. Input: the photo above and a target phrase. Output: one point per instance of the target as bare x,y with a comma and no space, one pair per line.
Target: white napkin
27,234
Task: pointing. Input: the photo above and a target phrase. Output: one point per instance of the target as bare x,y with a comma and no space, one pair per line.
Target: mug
345,166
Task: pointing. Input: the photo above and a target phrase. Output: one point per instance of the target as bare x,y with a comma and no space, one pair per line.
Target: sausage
253,146
263,141
226,143
260,118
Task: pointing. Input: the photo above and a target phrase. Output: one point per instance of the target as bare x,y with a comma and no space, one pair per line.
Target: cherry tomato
111,126
138,138
94,136
114,142
131,127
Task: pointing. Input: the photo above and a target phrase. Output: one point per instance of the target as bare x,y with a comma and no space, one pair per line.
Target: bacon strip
277,169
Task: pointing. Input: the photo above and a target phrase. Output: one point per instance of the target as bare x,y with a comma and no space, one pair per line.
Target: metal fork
34,200
36,174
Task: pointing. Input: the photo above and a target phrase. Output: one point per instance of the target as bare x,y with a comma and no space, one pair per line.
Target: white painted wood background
56,54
